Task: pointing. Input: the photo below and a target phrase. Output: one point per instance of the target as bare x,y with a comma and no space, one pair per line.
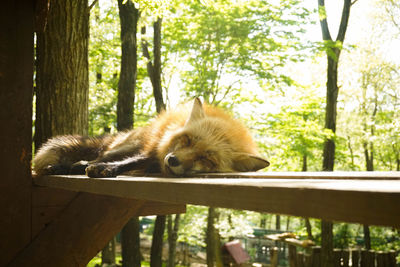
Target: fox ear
244,162
197,111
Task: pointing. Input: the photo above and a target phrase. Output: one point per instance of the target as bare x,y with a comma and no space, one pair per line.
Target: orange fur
180,141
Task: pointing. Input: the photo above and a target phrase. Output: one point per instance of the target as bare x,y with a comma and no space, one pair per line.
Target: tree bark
62,79
309,228
367,237
157,89
108,253
278,222
213,243
332,92
157,242
130,243
327,259
173,228
129,16
154,68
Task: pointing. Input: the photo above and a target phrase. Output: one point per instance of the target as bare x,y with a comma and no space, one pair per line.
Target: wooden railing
73,217
359,197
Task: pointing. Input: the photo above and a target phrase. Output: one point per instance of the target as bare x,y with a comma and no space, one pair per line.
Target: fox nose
173,161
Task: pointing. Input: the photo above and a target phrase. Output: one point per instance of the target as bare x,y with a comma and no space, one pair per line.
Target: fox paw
101,170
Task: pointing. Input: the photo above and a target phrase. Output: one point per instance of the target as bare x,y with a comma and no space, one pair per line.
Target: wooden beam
373,202
16,86
79,232
49,203
336,175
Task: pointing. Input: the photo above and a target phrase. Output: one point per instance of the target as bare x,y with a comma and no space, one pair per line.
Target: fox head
209,141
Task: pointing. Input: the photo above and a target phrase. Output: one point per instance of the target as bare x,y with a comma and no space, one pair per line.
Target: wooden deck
359,197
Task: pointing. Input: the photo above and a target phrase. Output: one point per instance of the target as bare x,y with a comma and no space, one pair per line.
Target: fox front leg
112,169
102,169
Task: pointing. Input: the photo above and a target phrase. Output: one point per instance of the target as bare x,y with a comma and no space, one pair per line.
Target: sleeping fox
178,142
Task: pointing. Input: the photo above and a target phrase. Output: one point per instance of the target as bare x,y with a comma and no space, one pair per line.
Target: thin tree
157,241
154,66
333,49
129,16
213,242
154,72
173,227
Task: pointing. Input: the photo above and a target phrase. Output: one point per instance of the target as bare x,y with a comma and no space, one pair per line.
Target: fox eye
207,162
185,140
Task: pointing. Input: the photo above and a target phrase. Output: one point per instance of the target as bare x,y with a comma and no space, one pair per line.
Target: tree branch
92,4
344,20
326,36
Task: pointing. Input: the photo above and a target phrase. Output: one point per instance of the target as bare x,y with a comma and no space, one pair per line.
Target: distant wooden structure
66,220
233,254
311,255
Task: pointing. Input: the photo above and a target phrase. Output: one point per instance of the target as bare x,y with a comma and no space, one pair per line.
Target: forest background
265,62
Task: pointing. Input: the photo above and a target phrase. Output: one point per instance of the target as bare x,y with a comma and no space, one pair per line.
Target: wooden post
380,259
292,255
300,259
367,258
274,256
16,87
371,258
364,258
355,258
337,257
307,260
345,257
392,258
316,256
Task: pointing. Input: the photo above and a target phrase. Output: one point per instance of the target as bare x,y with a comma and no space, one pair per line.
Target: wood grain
79,232
375,201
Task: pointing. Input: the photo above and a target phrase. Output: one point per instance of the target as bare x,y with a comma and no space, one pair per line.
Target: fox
178,142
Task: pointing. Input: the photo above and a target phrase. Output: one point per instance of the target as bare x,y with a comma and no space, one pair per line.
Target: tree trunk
213,243
304,166
263,222
367,237
278,222
154,68
108,253
332,91
157,89
172,237
157,242
309,228
369,156
287,223
327,244
130,243
129,16
62,79
331,111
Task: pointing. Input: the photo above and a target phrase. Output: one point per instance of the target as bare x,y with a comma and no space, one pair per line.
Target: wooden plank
16,85
160,208
337,175
15,222
79,232
50,197
373,202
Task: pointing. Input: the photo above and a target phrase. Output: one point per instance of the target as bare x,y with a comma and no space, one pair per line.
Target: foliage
238,54
104,58
296,132
224,42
